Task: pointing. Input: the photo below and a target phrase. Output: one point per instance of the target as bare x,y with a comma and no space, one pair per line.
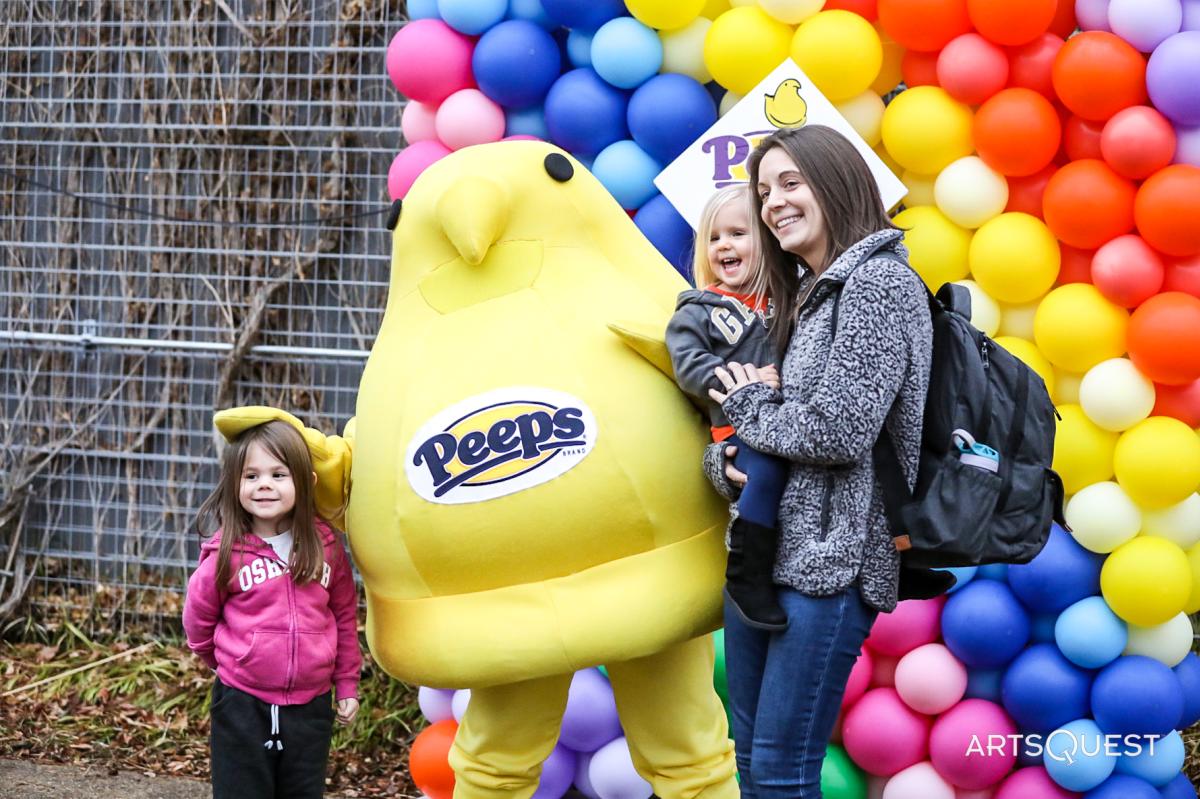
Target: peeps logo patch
499,443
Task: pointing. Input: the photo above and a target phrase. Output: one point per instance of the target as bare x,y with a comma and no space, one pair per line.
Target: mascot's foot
748,582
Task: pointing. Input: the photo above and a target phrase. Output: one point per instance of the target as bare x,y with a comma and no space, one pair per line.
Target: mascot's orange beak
473,213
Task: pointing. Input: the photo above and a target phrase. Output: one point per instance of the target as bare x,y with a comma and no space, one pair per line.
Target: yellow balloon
920,189
1193,602
1015,257
889,72
1146,581
1076,328
985,312
864,112
1066,387
683,50
937,248
925,129
791,11
1083,452
743,46
886,157
1157,462
664,14
714,8
1017,320
840,51
1027,353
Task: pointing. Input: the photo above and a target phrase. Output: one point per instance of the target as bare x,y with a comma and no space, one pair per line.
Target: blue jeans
766,478
785,689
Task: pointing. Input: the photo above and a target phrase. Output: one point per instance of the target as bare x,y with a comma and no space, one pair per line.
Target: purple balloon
1187,146
583,782
557,774
1092,15
435,703
1173,78
1191,15
590,720
1145,23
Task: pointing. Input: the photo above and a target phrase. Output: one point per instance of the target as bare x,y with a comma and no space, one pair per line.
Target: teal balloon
840,778
603,670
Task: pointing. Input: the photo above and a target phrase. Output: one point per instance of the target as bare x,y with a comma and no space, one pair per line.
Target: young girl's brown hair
223,509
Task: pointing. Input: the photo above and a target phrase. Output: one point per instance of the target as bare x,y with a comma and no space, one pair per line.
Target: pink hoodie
281,642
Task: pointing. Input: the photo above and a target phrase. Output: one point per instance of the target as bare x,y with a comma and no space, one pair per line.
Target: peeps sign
784,99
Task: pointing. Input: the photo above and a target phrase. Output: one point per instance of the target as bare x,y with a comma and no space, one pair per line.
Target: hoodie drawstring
274,741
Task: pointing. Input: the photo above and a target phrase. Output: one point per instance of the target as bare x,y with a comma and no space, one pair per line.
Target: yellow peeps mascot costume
522,480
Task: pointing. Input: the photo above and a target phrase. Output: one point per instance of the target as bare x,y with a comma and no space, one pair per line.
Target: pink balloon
1137,142
918,782
468,117
1032,783
959,744
1127,271
971,69
883,670
860,678
417,122
986,793
1183,274
411,162
883,735
930,680
1030,65
428,61
912,623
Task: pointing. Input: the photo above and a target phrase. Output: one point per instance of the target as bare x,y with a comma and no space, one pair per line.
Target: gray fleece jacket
838,392
710,330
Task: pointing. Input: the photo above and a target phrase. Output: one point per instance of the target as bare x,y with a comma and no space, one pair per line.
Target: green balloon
719,680
840,778
603,671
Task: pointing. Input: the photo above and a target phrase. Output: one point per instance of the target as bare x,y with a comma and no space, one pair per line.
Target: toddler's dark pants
243,767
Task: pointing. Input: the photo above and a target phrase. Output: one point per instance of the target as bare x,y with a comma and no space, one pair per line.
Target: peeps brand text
498,443
729,153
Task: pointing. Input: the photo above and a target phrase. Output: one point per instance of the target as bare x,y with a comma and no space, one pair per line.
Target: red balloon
919,69
867,9
1031,65
1063,24
1179,402
427,763
1137,142
1017,132
924,25
1025,194
1168,210
971,69
1081,138
1076,265
1183,274
1127,271
1164,338
1012,22
1087,204
1097,73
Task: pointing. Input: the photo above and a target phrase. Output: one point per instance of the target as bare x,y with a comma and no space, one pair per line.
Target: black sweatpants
245,767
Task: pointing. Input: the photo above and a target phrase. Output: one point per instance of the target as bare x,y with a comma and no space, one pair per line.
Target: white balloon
1168,642
970,192
1066,387
920,188
1179,523
612,774
918,782
728,102
1102,517
458,704
1115,395
791,11
683,49
985,312
1017,320
435,703
864,112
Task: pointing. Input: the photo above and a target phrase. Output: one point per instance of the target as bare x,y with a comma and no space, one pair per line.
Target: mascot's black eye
559,168
393,215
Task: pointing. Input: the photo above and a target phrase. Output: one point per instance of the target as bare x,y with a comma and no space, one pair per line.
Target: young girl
273,608
726,319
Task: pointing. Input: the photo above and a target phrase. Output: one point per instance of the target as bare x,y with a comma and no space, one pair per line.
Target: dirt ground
20,779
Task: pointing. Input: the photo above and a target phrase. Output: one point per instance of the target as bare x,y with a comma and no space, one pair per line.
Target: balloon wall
1052,154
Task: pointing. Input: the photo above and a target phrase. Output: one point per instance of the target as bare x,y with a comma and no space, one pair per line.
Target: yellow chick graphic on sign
786,108
522,480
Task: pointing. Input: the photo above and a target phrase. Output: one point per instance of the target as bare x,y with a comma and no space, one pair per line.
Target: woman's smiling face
790,209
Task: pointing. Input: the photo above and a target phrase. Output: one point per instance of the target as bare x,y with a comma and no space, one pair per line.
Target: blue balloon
423,9
1123,786
626,53
628,173
669,112
579,48
1179,788
1060,575
984,625
1188,672
1137,695
586,14
669,232
962,576
1158,761
516,63
472,17
994,571
1042,690
531,11
1077,757
526,122
1090,634
985,684
584,114
1041,628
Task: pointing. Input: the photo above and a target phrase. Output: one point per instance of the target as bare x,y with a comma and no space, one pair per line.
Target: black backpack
961,514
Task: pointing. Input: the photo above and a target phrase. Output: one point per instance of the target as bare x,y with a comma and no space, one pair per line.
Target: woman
859,342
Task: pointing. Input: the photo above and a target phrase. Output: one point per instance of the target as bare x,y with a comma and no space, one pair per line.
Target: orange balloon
1081,138
1178,402
1063,24
1025,194
1087,204
1097,73
1164,338
919,69
1012,22
427,760
924,24
1075,266
1017,132
1168,210
1183,274
867,9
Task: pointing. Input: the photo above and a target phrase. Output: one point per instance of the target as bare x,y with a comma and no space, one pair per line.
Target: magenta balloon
411,162
883,735
428,60
860,678
1032,783
1145,23
1092,15
1173,78
914,622
958,744
590,720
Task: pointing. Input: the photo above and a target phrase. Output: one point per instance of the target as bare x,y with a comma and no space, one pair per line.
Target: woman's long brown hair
223,510
849,199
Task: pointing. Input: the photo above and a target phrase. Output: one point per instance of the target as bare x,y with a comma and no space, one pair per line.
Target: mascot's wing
332,456
646,340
